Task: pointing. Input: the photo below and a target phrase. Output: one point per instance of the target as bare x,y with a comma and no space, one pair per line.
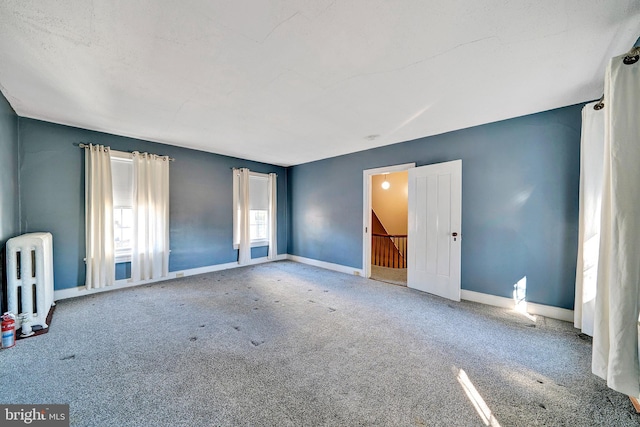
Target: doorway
389,223
385,223
433,253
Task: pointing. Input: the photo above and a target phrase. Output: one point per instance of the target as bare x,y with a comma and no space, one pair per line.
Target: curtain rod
630,58
82,145
261,173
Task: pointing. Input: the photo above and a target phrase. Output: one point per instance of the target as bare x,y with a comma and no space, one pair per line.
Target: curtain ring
600,104
633,56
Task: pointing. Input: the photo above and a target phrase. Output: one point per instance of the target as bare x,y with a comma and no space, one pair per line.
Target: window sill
123,258
254,244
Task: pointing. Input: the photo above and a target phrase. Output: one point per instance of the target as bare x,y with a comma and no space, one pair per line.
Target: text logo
35,415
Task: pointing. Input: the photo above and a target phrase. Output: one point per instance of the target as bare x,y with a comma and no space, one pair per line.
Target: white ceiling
292,81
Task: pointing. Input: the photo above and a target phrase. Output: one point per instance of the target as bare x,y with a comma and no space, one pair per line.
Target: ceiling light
385,184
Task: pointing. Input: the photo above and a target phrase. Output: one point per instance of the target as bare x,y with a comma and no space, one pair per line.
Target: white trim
128,283
366,210
532,308
256,243
550,311
487,299
261,243
326,265
122,258
262,260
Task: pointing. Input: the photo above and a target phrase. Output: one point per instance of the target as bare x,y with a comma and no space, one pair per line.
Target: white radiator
30,276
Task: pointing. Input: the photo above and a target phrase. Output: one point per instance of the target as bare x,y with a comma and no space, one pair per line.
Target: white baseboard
550,311
532,308
327,265
129,283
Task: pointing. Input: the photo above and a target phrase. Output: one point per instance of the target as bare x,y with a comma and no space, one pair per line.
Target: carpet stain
530,326
312,301
331,310
202,326
542,405
237,328
277,301
73,356
193,338
255,299
541,382
325,290
584,337
257,343
255,308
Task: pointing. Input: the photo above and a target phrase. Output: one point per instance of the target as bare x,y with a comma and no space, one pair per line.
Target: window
258,224
122,228
122,182
258,210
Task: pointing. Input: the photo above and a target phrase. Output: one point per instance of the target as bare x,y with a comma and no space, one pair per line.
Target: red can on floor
8,330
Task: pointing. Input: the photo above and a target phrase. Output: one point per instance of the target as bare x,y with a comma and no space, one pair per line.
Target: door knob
455,236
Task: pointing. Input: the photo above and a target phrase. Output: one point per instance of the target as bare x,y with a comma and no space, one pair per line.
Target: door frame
366,209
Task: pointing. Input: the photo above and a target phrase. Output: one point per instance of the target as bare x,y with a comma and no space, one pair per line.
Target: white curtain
244,248
100,263
150,255
615,339
273,214
591,164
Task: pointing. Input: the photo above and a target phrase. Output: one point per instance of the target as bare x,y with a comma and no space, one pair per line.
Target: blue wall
519,200
201,222
9,225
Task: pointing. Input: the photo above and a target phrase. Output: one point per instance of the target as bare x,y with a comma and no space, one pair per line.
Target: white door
435,205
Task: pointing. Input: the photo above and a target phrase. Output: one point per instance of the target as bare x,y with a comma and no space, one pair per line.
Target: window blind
258,193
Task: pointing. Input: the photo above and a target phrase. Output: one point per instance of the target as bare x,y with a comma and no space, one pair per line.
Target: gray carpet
285,344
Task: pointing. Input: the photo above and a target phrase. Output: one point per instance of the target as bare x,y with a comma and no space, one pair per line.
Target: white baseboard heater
30,277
